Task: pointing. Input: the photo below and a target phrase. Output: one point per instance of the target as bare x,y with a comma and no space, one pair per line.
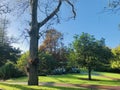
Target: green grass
113,75
67,78
80,79
5,86
76,79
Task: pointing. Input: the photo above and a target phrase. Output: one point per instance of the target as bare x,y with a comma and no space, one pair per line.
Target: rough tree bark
34,36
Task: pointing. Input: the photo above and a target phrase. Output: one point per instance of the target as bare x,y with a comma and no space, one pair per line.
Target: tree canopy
90,52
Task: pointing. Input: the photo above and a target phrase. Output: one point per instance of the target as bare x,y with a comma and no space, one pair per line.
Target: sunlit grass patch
5,86
97,79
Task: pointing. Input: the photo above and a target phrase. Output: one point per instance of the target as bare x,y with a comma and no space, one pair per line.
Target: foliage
71,57
22,62
72,70
90,53
72,64
115,62
53,45
59,71
47,63
46,60
52,41
7,52
9,70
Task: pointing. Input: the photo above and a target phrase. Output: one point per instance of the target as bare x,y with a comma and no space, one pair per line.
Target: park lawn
80,79
112,75
6,86
76,79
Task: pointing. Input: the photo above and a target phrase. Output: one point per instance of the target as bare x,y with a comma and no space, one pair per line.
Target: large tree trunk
33,61
34,36
89,73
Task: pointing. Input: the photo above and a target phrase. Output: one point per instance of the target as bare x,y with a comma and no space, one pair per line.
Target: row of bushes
59,71
10,70
107,69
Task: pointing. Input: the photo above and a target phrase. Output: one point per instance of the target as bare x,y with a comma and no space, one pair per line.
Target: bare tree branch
51,15
24,6
73,9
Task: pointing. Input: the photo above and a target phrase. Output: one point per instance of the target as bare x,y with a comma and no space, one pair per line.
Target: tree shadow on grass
22,87
104,82
64,88
61,78
89,80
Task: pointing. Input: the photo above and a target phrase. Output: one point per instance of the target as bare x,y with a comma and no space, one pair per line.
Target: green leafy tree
115,62
89,51
8,53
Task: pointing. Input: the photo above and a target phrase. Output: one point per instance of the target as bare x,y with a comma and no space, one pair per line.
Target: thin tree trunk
89,73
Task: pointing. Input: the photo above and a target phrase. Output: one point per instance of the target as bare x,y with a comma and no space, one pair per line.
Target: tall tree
53,45
35,26
52,42
41,13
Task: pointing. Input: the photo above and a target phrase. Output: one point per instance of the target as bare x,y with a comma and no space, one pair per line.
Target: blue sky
91,18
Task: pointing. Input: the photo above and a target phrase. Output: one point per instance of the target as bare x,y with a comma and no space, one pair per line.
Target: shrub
47,64
22,62
9,70
72,70
59,71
